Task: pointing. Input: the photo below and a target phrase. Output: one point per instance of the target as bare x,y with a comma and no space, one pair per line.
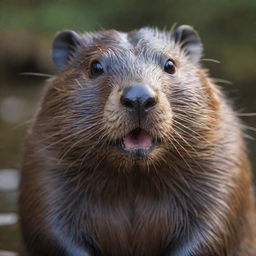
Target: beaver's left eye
96,68
169,66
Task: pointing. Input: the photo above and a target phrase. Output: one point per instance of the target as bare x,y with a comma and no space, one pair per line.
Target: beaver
135,151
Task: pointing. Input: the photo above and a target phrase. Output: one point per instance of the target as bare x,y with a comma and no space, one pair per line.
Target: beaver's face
134,97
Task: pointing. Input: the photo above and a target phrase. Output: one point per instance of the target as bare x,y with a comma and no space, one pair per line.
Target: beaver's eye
96,68
169,66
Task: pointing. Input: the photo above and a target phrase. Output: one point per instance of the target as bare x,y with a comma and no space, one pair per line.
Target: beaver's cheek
160,120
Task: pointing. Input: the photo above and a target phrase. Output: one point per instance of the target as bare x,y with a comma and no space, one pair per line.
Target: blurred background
227,29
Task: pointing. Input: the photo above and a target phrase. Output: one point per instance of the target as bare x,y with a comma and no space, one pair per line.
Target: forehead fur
151,36
134,39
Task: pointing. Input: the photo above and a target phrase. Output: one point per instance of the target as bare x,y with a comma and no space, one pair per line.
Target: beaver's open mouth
137,141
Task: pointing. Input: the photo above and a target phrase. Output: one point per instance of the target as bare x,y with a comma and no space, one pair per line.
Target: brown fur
191,196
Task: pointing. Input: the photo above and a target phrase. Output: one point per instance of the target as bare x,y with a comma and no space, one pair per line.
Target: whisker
185,141
191,132
246,114
219,80
69,136
36,74
247,127
172,140
211,60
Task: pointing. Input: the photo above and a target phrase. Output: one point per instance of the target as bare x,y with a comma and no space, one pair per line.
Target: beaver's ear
64,46
189,41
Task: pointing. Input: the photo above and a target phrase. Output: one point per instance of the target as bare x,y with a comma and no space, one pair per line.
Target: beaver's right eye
96,68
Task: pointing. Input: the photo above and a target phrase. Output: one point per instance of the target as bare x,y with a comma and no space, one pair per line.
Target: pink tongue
140,139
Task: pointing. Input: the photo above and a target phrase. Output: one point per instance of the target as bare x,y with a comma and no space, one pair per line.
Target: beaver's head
128,97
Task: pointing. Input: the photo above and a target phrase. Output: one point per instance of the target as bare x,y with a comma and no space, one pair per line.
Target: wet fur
80,195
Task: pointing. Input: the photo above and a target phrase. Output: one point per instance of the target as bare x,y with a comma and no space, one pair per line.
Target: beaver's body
135,152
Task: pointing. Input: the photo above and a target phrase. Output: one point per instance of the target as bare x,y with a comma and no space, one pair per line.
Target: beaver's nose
138,98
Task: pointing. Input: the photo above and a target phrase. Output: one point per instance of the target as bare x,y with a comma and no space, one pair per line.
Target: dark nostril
149,103
128,103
